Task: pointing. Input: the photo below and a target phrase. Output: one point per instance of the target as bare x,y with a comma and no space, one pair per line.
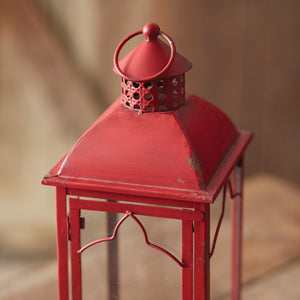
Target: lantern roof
185,154
151,57
184,148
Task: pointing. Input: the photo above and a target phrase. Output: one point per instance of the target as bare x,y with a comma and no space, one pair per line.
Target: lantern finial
151,31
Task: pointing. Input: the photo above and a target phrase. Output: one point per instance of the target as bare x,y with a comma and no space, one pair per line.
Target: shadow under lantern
155,152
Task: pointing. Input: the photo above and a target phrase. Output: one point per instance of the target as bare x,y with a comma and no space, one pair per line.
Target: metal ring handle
130,36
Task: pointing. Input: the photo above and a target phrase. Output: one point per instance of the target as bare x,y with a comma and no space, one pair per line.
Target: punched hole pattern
153,96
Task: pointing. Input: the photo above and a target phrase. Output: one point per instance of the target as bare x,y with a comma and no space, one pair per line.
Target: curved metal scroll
232,196
130,214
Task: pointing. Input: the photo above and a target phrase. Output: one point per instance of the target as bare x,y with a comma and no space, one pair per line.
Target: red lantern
156,152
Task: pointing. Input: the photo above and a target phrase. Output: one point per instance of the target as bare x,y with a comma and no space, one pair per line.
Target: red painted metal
128,198
219,222
151,31
162,90
154,211
62,243
201,254
75,259
156,152
151,59
158,95
119,153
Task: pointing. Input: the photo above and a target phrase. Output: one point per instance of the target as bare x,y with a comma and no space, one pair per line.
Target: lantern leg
201,254
75,257
187,259
112,266
237,217
62,244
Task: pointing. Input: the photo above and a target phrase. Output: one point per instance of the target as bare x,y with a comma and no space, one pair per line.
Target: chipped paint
61,181
64,164
180,180
195,164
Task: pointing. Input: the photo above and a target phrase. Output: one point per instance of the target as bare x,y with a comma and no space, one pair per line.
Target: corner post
75,256
237,220
201,254
62,243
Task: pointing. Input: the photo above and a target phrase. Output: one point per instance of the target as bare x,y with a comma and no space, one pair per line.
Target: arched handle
150,31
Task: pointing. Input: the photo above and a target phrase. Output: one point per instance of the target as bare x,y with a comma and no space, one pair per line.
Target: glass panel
144,272
94,281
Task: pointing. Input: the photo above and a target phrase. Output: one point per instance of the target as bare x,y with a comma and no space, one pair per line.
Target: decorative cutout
136,96
232,196
174,81
161,84
163,96
148,97
148,85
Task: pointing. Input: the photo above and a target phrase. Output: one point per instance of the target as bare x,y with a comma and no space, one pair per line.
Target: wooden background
56,78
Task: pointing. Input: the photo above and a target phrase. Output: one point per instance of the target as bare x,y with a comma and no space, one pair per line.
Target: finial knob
151,31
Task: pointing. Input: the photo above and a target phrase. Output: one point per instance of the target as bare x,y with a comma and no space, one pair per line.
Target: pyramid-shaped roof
184,154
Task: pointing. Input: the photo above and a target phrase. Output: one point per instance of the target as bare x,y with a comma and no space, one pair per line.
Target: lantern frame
199,152
195,217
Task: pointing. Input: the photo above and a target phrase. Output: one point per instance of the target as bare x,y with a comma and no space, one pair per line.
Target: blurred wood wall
56,77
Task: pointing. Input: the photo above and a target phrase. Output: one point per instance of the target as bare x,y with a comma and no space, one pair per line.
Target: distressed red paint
158,147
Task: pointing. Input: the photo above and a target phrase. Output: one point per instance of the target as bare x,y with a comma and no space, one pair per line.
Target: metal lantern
155,152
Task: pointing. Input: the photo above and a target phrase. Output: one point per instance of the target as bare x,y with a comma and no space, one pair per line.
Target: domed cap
152,58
